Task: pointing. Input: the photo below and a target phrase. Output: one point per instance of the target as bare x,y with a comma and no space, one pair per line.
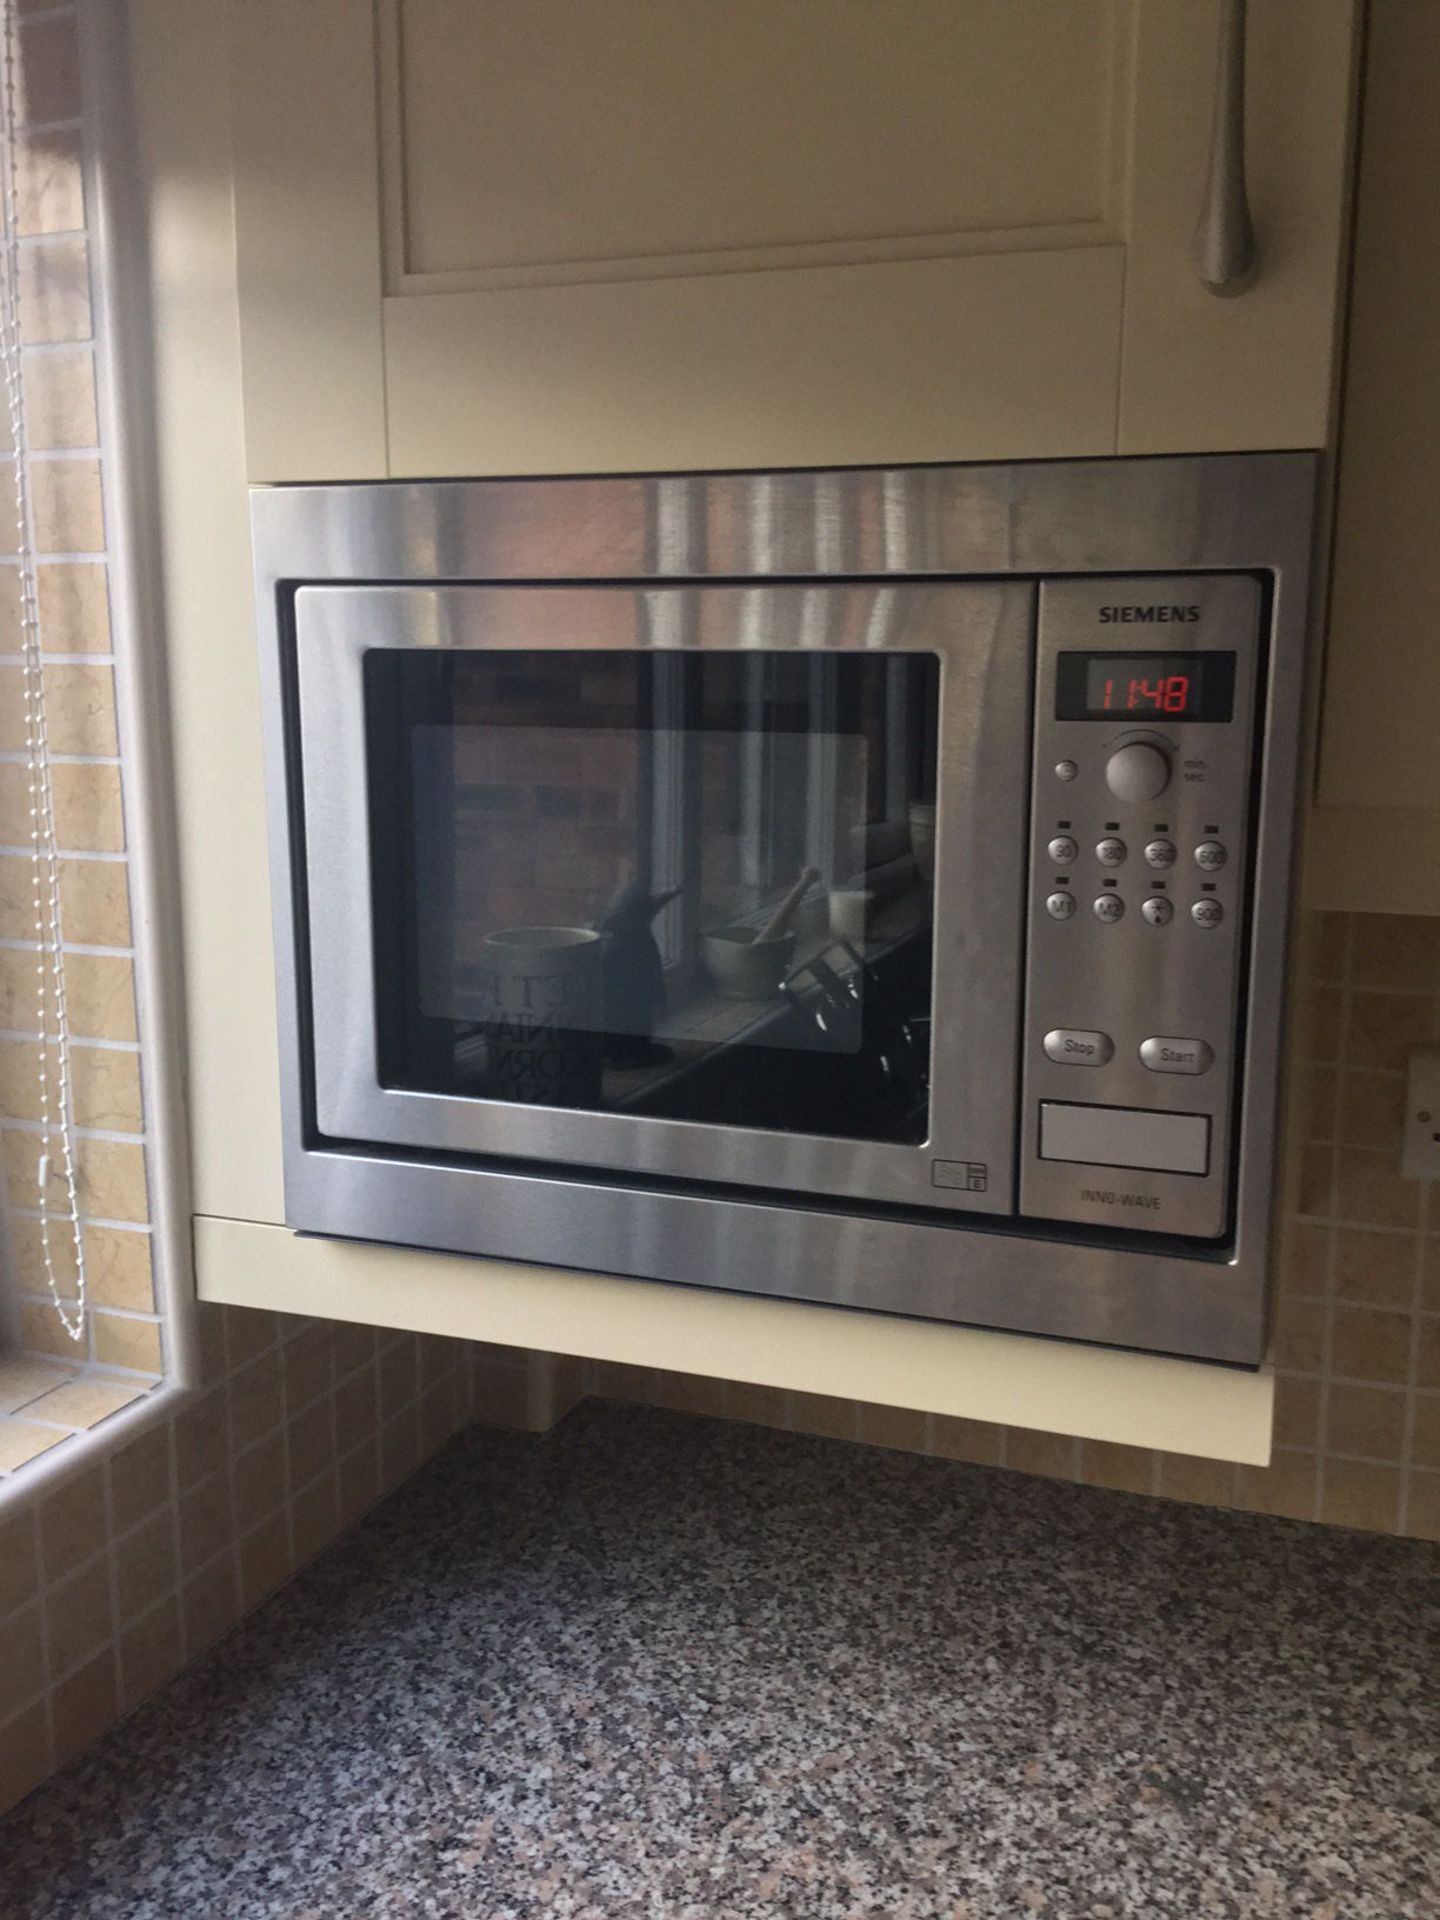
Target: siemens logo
1152,616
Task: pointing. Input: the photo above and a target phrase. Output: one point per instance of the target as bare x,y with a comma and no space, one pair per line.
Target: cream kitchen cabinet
1375,839
512,236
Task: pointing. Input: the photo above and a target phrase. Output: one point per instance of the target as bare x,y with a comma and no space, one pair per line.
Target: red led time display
1152,686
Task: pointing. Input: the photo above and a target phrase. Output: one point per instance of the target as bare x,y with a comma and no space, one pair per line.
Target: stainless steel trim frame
981,632
1222,512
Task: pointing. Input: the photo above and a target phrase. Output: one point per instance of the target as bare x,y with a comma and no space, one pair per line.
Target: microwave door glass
675,885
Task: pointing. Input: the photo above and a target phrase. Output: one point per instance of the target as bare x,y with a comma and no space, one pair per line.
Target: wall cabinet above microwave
641,235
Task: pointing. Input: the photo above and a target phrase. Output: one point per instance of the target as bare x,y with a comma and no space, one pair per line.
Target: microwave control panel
1142,789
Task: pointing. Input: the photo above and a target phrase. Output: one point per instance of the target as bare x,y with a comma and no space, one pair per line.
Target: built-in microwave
864,887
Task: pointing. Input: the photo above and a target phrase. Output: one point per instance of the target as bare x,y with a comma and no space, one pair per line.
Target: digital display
1145,686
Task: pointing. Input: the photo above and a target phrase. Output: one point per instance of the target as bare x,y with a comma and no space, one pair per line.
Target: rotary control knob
1137,772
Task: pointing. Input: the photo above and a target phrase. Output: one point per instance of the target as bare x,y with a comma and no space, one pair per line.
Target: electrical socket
1420,1148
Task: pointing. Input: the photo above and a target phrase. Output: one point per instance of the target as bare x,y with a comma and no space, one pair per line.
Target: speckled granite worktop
669,1668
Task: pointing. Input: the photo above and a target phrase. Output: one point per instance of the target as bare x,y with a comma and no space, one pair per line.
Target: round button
1207,913
1109,906
1158,910
1061,906
1160,853
1062,850
1210,856
1065,769
1111,853
1137,772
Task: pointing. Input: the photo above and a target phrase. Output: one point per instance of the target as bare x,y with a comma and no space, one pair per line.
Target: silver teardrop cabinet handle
1224,245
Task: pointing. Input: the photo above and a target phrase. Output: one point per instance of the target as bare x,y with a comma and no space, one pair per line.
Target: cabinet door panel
1201,373
905,361
538,140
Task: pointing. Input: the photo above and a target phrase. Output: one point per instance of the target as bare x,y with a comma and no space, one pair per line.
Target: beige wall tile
1315,1199
398,1379
1425,1437
19,1561
150,1652
1321,1090
146,1567
441,1414
759,1406
207,1523
265,1560
1299,1339
121,1341
259,1481
22,1659
616,1381
25,1758
210,1604
1330,953
1372,1107
60,399
74,603
80,708
118,1264
1423,1506
311,1437
249,1332
88,1399
693,1393
1356,1494
94,901
500,1394
66,505
359,1480
821,1413
1370,1192
315,1518
1297,1411
55,290
1305,1259
40,1332
1393,950
1427,1352
83,1706
49,184
1365,1420
1103,1463
202,1445
107,1092
355,1408
257,1404
100,990
19,993
139,1477
1322,1025
1430,1262
1207,1483
1286,1488
112,1179
78,1618
72,1523
898,1427
89,817
1375,1269
399,1448
49,70
955,1438
354,1347
1384,1027
307,1366
1050,1454
1371,1345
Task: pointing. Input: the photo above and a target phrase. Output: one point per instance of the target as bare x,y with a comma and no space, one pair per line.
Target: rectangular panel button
1125,1137
1079,1047
1167,1054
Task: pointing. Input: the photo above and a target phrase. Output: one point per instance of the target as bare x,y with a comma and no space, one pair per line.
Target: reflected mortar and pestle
747,963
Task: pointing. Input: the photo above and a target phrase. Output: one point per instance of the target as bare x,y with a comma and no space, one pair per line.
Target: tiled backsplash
139,1561
1357,1316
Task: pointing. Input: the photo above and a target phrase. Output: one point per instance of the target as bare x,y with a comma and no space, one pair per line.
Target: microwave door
691,882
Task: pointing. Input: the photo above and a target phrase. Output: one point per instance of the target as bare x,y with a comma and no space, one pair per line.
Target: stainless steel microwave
864,887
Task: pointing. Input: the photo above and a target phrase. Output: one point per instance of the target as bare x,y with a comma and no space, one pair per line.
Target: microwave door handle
1224,244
